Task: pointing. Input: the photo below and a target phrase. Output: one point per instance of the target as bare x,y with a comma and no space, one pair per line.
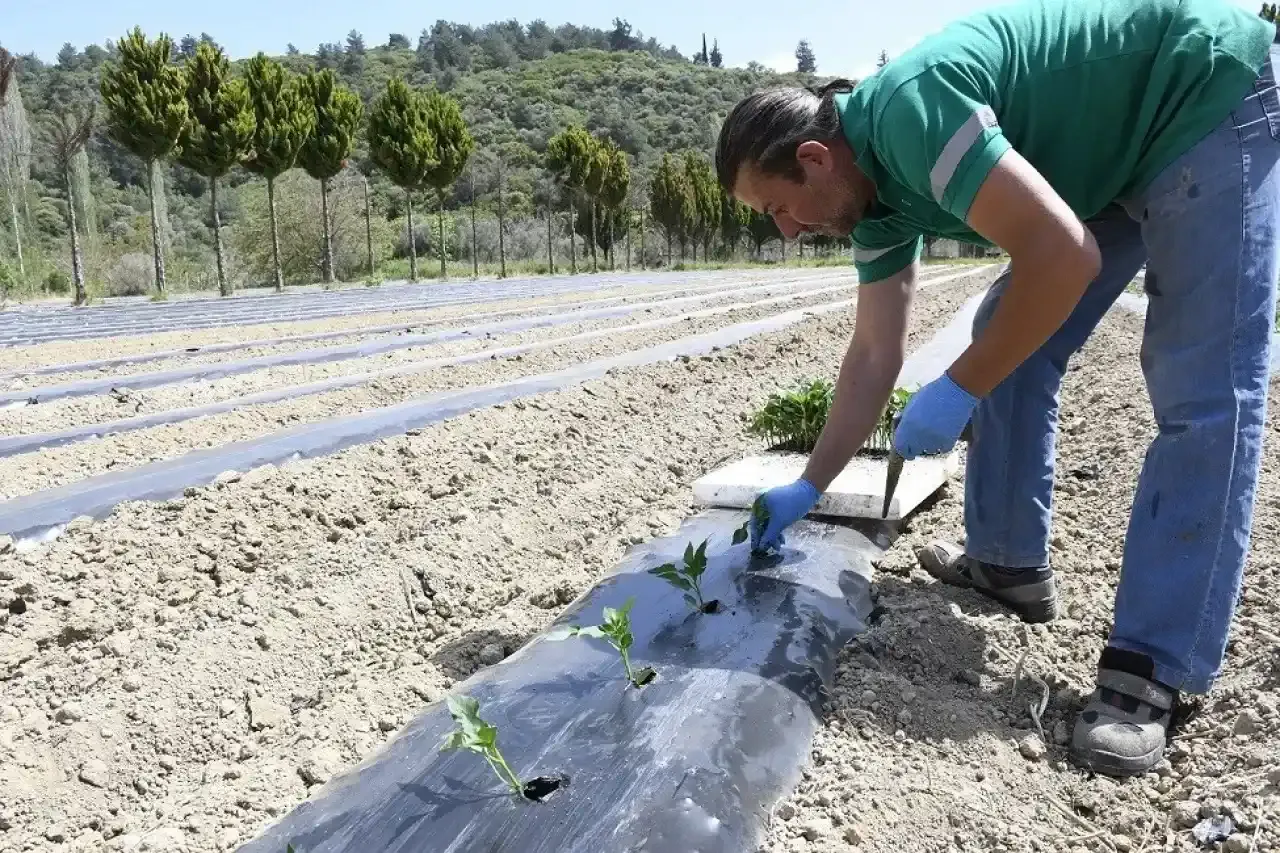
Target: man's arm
870,367
1054,259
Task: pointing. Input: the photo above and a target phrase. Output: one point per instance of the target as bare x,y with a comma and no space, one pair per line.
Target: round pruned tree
402,145
594,190
68,132
569,159
219,133
283,121
338,113
616,186
146,99
454,145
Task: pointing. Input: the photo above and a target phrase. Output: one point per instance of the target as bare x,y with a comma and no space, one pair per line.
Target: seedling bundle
793,420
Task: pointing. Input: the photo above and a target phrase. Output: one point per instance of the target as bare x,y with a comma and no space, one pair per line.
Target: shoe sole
1118,766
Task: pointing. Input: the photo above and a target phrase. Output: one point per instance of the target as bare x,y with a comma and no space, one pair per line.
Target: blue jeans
1207,229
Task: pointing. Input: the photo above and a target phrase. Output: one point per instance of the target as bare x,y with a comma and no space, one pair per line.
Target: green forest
508,148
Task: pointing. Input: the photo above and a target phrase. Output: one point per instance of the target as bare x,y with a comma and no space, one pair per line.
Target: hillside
518,85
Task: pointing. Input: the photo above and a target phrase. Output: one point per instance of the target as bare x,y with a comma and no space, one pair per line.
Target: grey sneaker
1124,728
1030,593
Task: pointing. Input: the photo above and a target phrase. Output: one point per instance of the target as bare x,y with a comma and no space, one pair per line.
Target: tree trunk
368,228
413,243
440,216
326,263
475,259
643,262
551,259
784,250
591,209
612,266
224,286
800,247
157,247
13,214
502,224
628,241
573,246
668,250
77,270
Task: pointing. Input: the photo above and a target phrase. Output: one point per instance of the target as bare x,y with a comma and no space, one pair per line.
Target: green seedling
688,578
616,630
742,534
882,438
475,734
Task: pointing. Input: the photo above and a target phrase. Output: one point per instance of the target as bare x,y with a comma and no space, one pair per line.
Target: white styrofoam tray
857,492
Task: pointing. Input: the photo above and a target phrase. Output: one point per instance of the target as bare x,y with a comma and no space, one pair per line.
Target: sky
846,35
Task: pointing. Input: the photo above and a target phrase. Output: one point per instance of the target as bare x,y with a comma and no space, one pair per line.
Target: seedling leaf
742,533
474,734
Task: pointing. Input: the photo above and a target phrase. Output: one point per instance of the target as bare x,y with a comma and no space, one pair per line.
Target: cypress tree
219,133
337,115
402,145
68,133
734,219
454,145
147,113
705,218
671,200
284,120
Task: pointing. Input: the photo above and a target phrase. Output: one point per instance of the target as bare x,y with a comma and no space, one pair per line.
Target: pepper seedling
616,630
476,735
688,578
760,513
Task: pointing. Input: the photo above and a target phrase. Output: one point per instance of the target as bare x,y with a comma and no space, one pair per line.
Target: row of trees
268,122
188,109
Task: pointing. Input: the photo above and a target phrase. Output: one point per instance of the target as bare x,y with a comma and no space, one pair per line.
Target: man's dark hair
766,128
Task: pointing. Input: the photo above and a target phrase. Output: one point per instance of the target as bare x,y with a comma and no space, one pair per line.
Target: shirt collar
854,111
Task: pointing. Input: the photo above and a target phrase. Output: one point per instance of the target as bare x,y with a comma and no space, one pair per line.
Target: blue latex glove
786,505
933,419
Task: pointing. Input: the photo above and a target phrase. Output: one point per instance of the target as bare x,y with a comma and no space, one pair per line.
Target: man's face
827,201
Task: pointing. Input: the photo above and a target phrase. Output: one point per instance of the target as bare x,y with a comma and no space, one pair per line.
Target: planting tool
896,462
891,481
895,468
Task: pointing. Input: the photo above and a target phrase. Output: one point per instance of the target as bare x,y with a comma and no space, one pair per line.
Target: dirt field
178,675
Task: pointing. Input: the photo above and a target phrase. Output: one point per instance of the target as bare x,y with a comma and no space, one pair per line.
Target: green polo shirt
1099,95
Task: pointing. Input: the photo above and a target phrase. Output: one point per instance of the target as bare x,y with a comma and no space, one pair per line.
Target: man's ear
815,152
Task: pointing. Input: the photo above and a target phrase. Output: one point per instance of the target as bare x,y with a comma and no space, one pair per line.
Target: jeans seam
1232,374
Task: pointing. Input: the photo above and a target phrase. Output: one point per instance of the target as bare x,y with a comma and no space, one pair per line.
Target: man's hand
933,419
785,506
